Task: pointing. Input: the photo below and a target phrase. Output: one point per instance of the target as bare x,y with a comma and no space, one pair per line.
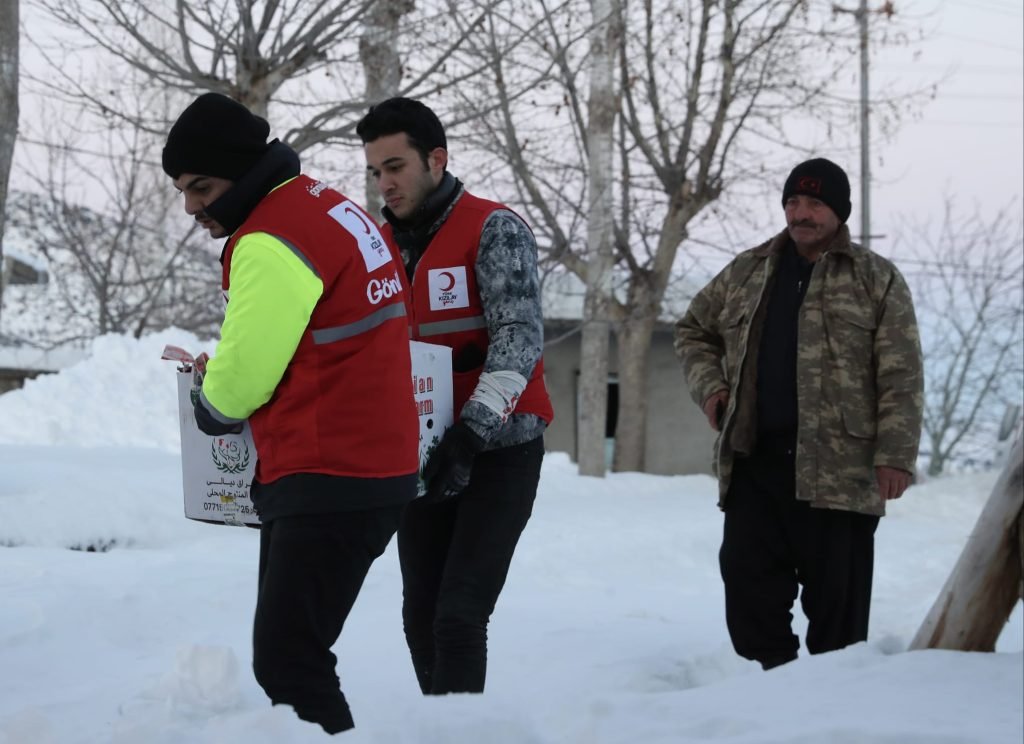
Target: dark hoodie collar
426,218
279,164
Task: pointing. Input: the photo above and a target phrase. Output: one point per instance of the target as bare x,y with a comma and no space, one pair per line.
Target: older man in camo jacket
804,355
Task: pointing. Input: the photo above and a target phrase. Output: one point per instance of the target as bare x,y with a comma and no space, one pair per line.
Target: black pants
455,556
311,569
774,544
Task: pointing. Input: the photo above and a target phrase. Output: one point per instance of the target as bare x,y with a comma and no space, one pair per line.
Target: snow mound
121,395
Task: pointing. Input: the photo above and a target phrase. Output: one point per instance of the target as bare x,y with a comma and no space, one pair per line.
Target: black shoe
776,661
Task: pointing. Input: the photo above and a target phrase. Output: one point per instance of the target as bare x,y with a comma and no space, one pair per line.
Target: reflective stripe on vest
371,321
298,254
453,326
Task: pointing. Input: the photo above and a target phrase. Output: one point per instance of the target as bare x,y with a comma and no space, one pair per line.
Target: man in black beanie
319,367
804,355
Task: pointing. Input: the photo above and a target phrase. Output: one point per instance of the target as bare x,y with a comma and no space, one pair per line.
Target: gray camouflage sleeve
899,378
509,285
698,341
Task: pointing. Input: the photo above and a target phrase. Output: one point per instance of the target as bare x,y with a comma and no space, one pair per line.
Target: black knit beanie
215,136
825,181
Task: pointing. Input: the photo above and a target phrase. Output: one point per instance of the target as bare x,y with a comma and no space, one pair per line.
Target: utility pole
861,14
865,131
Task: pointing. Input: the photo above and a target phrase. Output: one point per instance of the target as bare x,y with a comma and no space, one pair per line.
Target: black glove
209,425
449,465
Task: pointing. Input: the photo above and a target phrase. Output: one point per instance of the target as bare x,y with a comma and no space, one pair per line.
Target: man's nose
193,206
385,184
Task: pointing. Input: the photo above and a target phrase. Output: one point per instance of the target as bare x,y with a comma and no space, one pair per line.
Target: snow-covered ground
610,630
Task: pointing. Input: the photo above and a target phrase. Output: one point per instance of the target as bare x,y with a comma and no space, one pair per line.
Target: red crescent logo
809,184
354,213
451,280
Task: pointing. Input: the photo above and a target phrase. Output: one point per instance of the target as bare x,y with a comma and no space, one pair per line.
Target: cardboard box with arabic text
217,471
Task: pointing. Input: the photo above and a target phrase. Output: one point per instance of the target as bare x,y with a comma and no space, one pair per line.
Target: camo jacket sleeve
699,342
899,377
509,286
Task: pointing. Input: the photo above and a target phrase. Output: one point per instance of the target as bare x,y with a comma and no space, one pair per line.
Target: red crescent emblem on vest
451,280
354,213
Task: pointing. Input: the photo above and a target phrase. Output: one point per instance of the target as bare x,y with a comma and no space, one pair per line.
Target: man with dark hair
320,369
472,266
804,356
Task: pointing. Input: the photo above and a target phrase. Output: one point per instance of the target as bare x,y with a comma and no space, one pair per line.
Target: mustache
803,223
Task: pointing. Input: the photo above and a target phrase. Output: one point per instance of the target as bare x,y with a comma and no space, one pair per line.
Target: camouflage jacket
859,368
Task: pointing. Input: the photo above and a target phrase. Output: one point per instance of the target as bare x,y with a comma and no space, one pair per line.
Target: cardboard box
217,472
432,389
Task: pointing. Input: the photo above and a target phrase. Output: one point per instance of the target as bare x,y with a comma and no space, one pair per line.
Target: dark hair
398,115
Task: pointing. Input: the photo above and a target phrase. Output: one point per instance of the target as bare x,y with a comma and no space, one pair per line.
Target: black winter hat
825,181
215,136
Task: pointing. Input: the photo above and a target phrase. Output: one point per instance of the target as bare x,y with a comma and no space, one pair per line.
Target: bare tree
602,104
113,268
968,282
308,60
705,85
9,38
304,56
382,66
248,50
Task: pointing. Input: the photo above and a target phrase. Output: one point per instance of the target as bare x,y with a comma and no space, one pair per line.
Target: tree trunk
646,291
985,585
634,339
601,110
382,67
8,112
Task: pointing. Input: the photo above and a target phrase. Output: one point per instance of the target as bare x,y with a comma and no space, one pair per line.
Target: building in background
678,438
20,361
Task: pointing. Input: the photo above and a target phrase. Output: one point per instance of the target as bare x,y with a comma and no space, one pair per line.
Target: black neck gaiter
234,206
413,234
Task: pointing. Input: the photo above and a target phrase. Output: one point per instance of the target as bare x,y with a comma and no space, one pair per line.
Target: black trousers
455,556
772,545
311,569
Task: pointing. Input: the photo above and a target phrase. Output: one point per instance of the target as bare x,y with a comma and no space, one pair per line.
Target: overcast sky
966,143
969,141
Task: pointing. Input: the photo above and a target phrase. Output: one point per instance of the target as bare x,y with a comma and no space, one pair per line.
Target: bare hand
892,482
714,408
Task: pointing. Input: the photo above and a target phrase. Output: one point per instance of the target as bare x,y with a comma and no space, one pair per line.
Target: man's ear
437,160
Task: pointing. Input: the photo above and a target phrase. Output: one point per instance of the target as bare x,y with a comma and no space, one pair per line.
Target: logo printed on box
447,288
229,455
359,226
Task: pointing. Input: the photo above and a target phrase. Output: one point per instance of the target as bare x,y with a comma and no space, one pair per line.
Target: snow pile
610,629
121,395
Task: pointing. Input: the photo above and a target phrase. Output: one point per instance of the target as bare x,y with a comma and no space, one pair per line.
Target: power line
78,150
982,42
993,124
993,7
958,68
979,97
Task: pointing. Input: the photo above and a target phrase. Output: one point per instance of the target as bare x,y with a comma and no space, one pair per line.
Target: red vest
345,403
445,306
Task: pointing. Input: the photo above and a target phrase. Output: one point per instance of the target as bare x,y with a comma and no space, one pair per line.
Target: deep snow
610,629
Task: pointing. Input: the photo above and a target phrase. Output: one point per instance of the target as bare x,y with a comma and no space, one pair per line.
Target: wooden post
985,585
